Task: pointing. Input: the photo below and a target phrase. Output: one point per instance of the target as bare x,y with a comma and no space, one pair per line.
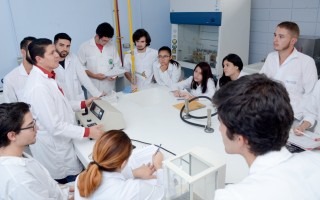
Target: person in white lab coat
166,71
200,84
232,66
70,73
22,177
311,112
53,112
99,55
144,57
103,179
255,118
295,70
13,89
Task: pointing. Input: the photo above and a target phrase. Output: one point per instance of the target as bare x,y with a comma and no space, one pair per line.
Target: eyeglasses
33,125
160,57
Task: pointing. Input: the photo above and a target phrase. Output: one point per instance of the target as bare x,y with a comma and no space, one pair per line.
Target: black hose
196,117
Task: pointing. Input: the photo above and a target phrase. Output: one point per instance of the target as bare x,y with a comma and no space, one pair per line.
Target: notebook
194,105
308,142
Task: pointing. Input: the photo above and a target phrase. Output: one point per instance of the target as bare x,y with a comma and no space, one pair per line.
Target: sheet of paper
306,142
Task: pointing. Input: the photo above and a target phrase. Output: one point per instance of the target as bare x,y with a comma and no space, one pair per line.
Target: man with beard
14,81
295,70
70,73
99,56
144,59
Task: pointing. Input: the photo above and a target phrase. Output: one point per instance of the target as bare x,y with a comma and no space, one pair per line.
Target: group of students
254,112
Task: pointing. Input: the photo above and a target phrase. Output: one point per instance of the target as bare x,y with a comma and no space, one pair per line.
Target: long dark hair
236,61
206,74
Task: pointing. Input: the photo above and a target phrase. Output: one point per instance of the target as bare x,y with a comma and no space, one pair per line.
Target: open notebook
193,105
308,142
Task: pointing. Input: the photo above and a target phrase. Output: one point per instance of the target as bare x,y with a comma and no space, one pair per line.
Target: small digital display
96,110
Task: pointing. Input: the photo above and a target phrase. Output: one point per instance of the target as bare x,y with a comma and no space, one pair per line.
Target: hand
96,131
100,76
144,172
157,160
103,94
71,188
111,78
302,127
134,88
176,93
186,95
298,130
90,100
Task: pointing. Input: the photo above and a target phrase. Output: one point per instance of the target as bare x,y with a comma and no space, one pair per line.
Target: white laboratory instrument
209,30
194,174
101,112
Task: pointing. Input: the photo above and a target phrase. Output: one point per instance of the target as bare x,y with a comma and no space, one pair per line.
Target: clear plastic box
194,175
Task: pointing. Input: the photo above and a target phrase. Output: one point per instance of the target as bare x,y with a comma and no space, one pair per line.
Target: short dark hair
206,75
38,48
105,30
139,34
11,119
236,61
24,43
63,36
292,27
257,108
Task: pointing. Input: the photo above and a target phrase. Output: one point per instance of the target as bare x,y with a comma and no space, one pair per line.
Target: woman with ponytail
103,179
166,70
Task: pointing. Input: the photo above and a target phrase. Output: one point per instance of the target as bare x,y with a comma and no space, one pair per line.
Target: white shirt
198,91
115,186
25,178
56,126
312,108
298,73
242,73
143,63
99,62
72,76
13,84
169,77
278,175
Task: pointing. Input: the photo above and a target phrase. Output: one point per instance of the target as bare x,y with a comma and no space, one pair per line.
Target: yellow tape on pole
133,69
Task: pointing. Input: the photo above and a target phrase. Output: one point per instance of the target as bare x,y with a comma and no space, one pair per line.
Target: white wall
79,19
266,14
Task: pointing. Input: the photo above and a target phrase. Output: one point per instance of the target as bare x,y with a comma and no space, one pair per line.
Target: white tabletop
150,117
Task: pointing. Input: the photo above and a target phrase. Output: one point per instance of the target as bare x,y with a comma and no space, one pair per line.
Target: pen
158,149
307,135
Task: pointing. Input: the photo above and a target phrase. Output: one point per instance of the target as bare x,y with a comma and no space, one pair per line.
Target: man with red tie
54,115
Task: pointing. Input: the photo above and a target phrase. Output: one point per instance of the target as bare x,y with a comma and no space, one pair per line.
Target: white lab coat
312,108
278,175
115,186
13,84
56,122
298,73
72,77
25,178
242,73
169,77
143,63
99,62
186,84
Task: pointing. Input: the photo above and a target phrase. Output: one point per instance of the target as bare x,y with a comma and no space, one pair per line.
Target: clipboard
194,105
